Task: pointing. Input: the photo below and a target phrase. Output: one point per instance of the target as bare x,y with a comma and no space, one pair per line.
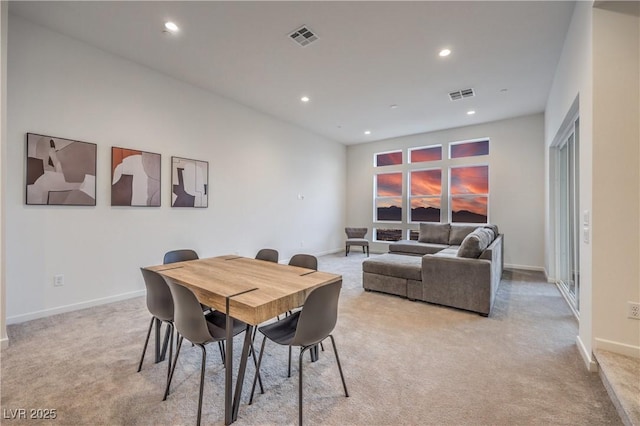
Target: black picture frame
59,171
189,182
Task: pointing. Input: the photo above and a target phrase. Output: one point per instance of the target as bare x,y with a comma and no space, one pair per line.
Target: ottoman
394,274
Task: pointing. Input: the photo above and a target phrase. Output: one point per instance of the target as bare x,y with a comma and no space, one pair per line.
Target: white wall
608,102
257,168
616,169
516,181
571,83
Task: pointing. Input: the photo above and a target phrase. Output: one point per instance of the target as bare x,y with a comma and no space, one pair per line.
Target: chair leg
300,384
173,368
146,342
335,351
202,371
255,379
346,250
289,369
255,363
221,347
170,361
157,333
165,342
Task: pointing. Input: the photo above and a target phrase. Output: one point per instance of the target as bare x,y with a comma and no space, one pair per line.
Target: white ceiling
369,55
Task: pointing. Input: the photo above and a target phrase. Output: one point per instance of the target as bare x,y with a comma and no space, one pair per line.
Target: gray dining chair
199,329
356,237
304,261
181,255
270,255
306,328
160,305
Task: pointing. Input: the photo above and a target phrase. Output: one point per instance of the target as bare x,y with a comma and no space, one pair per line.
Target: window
388,197
424,195
392,158
469,148
444,183
469,189
429,153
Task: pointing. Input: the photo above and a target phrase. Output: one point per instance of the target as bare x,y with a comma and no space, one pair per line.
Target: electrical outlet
633,310
58,280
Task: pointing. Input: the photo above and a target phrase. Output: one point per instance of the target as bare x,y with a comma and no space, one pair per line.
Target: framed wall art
189,182
135,178
60,171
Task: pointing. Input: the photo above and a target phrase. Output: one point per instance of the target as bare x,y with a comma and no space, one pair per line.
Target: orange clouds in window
433,153
426,182
389,185
470,180
389,159
476,205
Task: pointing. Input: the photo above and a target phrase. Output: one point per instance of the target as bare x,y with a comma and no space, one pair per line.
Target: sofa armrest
459,282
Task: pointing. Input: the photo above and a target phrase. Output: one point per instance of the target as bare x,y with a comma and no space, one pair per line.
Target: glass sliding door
568,217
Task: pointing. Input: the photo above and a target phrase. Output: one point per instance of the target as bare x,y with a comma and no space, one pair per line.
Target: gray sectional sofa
453,265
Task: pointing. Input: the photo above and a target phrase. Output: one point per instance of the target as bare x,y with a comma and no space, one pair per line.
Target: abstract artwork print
189,182
135,178
60,171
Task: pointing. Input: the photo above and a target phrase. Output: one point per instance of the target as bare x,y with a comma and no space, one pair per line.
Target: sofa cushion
437,233
458,232
448,252
476,242
415,248
395,265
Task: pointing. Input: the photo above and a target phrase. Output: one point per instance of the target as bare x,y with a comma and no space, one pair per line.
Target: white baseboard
617,347
73,307
587,357
525,267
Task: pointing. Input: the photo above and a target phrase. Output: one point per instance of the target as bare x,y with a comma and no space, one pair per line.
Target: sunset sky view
419,155
468,185
467,181
469,149
389,159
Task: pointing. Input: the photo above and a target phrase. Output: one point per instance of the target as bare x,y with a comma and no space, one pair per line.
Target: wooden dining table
247,289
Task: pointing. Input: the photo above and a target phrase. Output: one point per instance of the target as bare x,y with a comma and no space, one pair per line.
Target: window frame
418,148
377,198
469,141
411,197
393,151
452,196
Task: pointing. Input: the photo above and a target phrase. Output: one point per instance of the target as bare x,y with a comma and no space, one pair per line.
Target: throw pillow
470,246
476,242
437,233
494,228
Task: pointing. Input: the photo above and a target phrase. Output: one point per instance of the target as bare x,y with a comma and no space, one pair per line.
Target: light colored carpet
406,363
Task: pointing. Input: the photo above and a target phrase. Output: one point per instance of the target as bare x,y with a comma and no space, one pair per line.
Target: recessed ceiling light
171,27
394,106
305,99
367,132
471,112
445,52
504,90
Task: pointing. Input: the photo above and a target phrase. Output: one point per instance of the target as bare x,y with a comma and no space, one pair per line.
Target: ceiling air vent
461,94
303,36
